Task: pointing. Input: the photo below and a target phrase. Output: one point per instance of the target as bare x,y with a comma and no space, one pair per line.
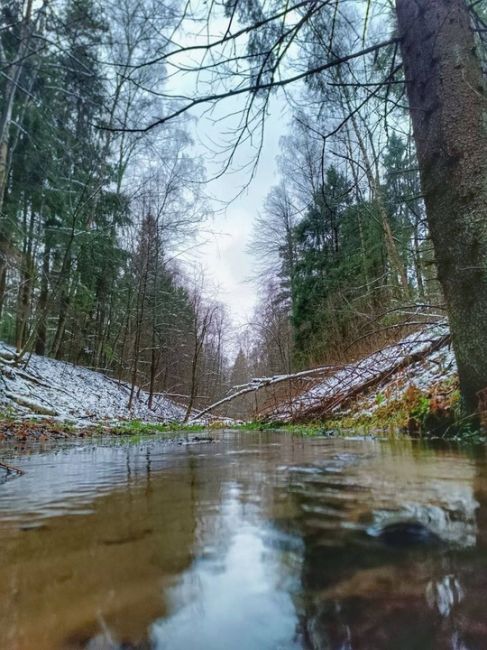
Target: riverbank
12,428
409,387
73,395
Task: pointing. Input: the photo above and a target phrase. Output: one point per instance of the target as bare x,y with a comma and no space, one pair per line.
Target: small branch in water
11,469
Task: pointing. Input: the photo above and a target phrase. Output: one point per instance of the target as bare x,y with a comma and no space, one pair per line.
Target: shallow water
255,541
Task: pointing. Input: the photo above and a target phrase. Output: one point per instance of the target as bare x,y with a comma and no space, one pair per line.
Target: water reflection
255,541
233,593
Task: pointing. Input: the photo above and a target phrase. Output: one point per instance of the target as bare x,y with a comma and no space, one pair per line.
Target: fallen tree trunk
334,385
348,392
30,404
263,382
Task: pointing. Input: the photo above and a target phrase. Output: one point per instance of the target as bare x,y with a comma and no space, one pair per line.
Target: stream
254,541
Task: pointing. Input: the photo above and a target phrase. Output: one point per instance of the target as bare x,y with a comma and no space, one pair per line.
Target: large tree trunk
448,100
13,72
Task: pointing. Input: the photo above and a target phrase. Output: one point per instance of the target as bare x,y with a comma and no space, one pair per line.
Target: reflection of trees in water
101,573
369,597
310,503
361,594
354,591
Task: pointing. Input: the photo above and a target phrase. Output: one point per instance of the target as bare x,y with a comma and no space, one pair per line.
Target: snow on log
35,407
318,392
262,382
340,388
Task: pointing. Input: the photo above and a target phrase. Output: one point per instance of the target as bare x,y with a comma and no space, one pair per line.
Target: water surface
255,541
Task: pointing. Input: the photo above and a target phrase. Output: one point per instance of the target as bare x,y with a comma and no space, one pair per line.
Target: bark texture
448,103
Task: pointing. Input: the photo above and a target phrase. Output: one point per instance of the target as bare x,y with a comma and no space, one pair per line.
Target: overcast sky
222,253
224,239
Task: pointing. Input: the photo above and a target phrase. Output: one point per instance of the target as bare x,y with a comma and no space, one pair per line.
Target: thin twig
11,469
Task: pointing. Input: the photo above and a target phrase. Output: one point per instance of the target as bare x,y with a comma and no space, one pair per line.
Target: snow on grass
74,393
423,374
436,368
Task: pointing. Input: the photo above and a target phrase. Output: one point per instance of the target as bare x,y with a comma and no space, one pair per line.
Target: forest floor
409,386
70,397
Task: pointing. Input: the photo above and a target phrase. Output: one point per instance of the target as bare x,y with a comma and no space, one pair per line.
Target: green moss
436,414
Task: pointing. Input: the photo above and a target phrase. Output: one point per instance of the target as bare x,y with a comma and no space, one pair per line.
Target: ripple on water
258,542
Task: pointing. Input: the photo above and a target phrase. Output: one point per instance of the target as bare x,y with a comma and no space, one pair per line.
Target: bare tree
446,91
204,315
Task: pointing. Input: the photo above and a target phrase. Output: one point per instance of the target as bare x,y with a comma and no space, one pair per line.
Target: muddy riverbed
255,541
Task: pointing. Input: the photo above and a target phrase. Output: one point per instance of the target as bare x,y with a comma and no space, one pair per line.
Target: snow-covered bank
420,361
421,365
419,369
68,392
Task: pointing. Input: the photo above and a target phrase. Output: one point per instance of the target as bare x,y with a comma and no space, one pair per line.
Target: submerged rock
408,533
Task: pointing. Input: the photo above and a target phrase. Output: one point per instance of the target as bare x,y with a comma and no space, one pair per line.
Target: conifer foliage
92,221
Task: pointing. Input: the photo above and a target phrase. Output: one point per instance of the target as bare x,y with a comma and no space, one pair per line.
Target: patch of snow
75,393
436,366
423,375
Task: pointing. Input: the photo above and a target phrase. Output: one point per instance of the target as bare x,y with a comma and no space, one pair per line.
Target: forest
378,202
92,222
243,307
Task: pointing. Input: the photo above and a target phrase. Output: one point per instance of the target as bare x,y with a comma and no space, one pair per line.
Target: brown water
257,541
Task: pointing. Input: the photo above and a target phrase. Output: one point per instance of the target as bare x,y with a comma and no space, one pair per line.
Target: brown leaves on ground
44,430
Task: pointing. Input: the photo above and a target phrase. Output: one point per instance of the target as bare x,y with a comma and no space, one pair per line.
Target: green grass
384,422
317,428
138,427
343,426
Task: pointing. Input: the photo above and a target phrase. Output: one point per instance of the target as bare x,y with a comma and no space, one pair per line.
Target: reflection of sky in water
68,480
340,480
444,594
238,599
